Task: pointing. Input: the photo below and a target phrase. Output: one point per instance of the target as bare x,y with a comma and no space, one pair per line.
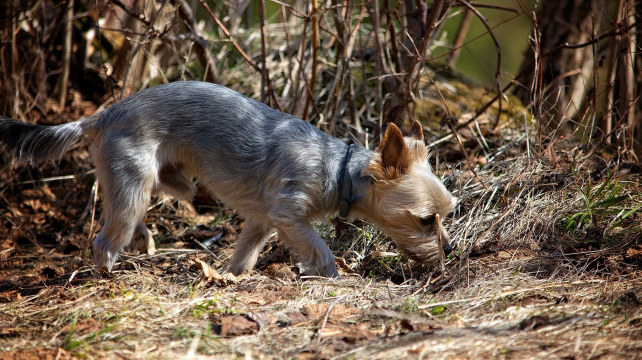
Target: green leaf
606,203
627,214
437,310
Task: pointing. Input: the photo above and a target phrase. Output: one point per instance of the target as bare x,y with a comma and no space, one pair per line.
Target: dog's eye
428,220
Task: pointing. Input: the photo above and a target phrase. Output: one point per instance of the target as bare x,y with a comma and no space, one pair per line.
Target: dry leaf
209,275
238,325
634,252
550,153
262,320
350,334
338,314
280,271
10,296
342,264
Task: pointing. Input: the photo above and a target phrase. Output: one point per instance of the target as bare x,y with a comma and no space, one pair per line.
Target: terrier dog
278,171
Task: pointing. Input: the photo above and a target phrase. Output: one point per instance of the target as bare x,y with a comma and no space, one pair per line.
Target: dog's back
238,146
205,130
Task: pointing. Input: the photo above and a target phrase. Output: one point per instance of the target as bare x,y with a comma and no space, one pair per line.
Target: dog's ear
416,131
395,155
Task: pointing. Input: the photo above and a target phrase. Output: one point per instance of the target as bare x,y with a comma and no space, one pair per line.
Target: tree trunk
421,25
559,84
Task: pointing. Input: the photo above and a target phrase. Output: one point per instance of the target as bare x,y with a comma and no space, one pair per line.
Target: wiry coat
278,171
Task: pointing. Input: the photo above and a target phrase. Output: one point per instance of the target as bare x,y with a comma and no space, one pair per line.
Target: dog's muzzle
447,249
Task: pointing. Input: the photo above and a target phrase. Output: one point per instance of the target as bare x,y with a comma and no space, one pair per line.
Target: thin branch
264,72
315,49
200,45
498,72
460,37
617,32
133,13
66,56
494,7
229,36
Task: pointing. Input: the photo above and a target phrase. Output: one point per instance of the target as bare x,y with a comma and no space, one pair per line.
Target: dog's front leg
248,246
314,255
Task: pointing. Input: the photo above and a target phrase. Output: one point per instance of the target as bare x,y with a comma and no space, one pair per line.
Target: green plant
70,344
437,310
410,306
610,199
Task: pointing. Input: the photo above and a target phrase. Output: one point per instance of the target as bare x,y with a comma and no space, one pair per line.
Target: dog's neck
345,185
352,185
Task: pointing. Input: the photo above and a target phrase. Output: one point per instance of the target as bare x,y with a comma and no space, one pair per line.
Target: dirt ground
506,294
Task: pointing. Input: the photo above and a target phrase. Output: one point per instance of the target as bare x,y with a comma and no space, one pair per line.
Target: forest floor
525,281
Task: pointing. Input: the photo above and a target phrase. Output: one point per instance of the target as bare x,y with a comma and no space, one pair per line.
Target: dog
278,171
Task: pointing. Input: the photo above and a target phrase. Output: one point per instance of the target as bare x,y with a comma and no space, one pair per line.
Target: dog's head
406,200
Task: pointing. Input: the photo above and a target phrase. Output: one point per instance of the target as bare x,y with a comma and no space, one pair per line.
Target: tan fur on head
407,193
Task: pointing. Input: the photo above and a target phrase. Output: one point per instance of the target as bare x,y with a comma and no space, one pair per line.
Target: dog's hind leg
248,246
142,241
118,229
127,176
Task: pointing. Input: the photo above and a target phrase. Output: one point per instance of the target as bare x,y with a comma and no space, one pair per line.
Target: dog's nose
447,249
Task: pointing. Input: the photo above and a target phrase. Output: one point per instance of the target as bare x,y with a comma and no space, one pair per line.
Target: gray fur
278,171
33,143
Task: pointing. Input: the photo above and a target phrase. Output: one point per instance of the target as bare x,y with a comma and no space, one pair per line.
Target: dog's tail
37,143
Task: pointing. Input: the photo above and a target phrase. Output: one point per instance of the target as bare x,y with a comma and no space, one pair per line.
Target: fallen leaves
7,248
634,252
209,275
10,296
238,325
37,353
338,313
280,271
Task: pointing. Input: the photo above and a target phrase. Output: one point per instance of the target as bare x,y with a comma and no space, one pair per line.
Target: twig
189,273
496,7
437,12
229,36
264,72
448,119
238,48
327,314
315,49
66,55
206,249
200,45
614,56
55,178
298,71
597,39
343,66
93,209
498,71
134,13
460,37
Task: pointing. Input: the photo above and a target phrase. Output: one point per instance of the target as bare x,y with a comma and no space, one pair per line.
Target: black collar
346,186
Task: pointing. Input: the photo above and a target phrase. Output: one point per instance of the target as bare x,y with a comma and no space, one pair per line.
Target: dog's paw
237,269
329,270
104,260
